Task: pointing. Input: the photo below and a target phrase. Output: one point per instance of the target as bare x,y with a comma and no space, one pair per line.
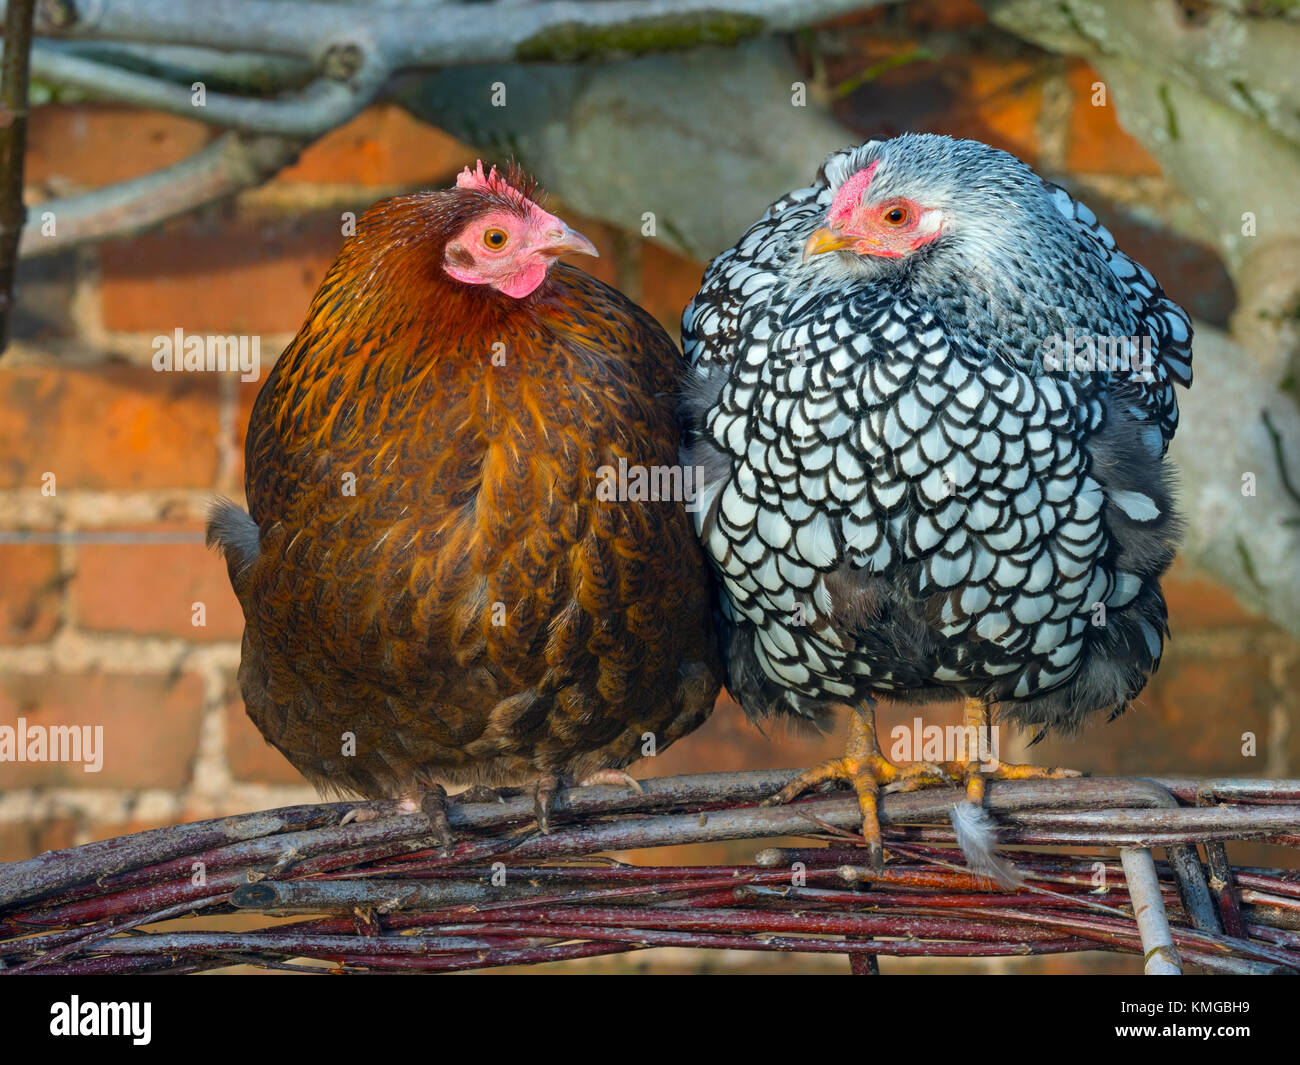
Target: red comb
850,194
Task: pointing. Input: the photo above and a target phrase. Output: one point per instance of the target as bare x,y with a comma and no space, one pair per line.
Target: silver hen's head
931,204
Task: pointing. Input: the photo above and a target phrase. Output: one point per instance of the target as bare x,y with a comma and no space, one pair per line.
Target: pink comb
850,194
489,182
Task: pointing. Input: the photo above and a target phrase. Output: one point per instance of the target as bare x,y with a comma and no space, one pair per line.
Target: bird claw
914,776
544,799
614,778
433,804
546,787
360,815
875,856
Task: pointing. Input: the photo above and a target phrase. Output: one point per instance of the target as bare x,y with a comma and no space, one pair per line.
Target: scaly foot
974,775
430,800
868,771
975,765
970,767
545,788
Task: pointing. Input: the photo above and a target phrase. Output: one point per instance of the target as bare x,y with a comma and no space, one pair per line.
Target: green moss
1171,119
1269,8
1239,87
40,92
1073,21
852,84
571,41
1247,565
673,231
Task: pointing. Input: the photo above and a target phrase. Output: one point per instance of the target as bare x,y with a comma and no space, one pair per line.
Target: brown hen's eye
896,215
495,238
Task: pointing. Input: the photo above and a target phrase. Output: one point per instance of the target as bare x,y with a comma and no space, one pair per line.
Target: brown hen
437,585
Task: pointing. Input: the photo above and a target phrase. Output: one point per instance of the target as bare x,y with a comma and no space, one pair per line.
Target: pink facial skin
509,249
890,229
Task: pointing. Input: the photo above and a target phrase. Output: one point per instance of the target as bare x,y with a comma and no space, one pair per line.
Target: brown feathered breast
435,591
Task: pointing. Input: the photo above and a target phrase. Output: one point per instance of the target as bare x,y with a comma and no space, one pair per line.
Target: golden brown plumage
432,571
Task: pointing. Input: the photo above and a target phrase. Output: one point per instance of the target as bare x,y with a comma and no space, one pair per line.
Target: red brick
728,741
1289,697
607,241
1005,100
32,583
383,146
668,283
242,276
1196,602
965,94
151,727
89,145
111,427
247,396
930,15
113,829
1189,722
22,840
1192,274
1097,144
248,754
1264,855
151,588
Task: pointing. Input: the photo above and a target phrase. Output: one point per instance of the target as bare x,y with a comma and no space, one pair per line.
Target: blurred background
1174,121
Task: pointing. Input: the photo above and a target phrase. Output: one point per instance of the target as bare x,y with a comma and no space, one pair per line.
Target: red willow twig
388,899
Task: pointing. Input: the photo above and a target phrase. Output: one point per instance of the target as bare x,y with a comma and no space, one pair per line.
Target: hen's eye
896,216
495,238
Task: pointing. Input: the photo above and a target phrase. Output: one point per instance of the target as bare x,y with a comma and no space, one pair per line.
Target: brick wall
97,617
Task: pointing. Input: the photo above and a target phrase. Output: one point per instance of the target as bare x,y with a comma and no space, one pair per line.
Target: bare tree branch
230,163
13,144
408,37
318,108
235,161
355,49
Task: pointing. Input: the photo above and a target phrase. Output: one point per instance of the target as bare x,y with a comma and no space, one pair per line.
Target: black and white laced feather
902,494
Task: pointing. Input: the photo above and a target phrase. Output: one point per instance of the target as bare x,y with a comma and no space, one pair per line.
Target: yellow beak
826,239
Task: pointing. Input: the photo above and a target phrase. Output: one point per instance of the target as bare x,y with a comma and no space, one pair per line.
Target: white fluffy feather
977,837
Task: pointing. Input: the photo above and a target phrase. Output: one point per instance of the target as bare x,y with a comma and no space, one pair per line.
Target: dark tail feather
234,533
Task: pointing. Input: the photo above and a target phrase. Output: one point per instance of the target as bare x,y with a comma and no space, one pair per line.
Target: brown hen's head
439,251
511,242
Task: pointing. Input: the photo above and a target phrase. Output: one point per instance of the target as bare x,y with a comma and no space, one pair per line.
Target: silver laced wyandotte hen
439,584
931,400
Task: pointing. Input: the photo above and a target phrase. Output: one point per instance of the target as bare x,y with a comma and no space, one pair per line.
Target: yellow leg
976,718
867,770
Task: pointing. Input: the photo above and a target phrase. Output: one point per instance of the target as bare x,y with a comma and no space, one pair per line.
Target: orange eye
896,215
495,238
